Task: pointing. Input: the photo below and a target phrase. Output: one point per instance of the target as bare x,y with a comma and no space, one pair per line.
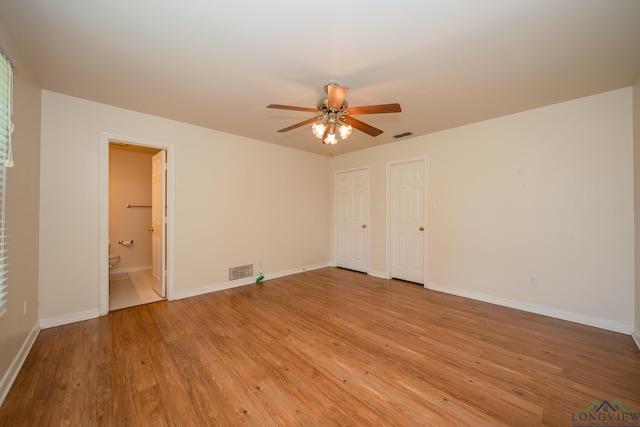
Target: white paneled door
408,221
351,220
158,221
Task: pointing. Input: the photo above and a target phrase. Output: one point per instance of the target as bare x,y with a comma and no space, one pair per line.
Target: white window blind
6,160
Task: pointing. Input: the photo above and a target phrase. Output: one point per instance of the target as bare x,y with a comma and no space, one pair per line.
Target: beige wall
546,192
22,213
636,169
235,198
130,184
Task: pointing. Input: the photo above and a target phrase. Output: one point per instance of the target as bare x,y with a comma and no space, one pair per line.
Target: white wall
235,198
546,192
18,330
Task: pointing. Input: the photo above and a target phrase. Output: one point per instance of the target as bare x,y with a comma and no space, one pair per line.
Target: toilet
113,259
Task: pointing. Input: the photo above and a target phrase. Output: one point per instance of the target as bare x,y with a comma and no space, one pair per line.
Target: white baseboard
636,336
295,271
214,288
130,269
243,282
69,318
597,322
16,365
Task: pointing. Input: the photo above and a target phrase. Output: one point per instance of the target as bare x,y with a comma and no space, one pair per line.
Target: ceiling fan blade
289,107
336,95
297,125
362,126
375,109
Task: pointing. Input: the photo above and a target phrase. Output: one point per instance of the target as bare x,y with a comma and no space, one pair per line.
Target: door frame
105,139
390,165
367,201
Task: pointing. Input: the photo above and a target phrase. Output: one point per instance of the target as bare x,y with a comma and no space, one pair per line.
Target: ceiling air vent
402,135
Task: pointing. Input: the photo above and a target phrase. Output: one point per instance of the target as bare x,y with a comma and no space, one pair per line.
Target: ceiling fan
333,117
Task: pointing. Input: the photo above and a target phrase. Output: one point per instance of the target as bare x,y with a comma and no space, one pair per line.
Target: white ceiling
218,64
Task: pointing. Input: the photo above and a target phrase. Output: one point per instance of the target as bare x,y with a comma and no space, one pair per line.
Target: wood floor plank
329,347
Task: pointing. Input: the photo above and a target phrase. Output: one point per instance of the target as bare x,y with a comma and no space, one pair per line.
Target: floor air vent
240,272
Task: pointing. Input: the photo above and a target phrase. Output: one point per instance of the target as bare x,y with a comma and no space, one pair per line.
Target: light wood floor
323,348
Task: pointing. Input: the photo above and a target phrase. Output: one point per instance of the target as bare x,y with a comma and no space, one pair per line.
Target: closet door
408,185
351,220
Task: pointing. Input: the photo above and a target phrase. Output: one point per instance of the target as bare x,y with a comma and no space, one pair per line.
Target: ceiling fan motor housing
324,102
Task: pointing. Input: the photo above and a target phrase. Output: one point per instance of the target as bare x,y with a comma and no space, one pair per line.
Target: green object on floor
260,278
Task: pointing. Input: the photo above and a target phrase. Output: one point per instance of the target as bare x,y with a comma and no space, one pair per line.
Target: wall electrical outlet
533,280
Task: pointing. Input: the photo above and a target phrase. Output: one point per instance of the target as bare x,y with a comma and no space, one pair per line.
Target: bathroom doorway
135,225
136,222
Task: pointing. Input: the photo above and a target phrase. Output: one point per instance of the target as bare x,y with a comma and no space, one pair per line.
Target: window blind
6,160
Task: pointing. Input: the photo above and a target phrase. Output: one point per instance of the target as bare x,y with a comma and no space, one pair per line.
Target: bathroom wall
130,184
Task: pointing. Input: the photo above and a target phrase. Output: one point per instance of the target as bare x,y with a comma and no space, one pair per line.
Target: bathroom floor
129,289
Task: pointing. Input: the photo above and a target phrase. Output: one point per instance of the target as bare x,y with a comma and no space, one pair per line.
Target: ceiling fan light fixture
344,131
331,139
318,129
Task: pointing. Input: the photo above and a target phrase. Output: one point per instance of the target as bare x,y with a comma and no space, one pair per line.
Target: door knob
421,228
364,225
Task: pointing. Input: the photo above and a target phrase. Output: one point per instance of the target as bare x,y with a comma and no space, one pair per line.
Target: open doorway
136,226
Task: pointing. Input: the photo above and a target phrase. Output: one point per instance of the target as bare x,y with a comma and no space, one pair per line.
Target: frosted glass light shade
331,139
345,131
318,129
